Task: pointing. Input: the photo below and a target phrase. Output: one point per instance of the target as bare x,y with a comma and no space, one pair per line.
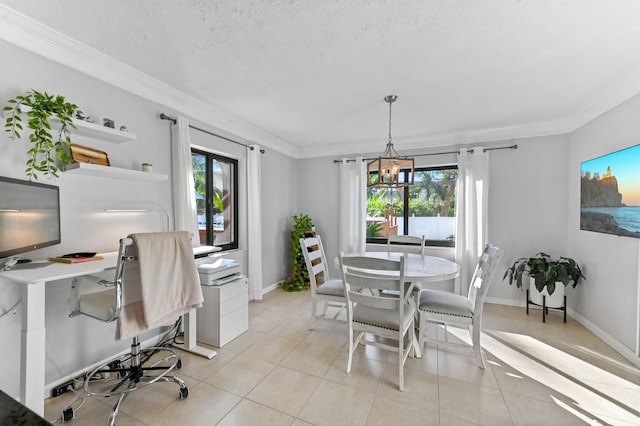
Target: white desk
33,338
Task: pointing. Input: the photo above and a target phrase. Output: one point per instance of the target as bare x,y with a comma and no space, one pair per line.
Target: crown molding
439,140
33,36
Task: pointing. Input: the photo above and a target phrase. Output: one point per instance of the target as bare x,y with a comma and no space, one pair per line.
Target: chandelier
390,169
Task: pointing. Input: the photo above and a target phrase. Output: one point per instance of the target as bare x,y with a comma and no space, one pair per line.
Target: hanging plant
45,155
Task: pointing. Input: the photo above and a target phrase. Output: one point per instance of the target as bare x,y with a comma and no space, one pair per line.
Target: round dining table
418,268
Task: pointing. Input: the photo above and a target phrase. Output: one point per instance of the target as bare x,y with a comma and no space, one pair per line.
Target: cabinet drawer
233,324
233,289
229,305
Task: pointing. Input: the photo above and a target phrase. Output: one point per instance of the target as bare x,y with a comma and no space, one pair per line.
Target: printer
221,271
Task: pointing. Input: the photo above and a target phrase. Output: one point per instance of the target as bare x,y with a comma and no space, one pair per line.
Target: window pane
432,204
222,202
216,198
429,207
198,162
385,209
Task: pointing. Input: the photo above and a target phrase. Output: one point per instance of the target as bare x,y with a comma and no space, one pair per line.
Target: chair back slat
484,273
405,244
374,275
315,261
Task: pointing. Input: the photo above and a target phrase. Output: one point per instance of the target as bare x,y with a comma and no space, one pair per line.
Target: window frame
405,200
209,157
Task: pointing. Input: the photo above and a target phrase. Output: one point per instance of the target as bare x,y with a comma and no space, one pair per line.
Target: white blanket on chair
168,280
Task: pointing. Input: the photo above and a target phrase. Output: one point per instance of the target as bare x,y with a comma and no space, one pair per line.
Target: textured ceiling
314,73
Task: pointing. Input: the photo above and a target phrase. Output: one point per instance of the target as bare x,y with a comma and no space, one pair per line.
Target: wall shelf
95,131
88,169
90,130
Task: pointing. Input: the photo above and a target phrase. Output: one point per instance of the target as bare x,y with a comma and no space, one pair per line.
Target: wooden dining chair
324,290
449,309
369,314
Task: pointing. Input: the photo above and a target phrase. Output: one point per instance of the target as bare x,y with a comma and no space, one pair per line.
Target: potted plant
545,274
302,228
46,154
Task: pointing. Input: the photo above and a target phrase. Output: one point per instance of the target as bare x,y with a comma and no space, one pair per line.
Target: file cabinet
224,315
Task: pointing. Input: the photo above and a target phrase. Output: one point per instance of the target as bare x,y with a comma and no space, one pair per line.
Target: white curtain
471,212
185,213
254,219
353,206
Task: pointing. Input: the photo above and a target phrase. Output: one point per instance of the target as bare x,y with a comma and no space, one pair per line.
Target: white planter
555,300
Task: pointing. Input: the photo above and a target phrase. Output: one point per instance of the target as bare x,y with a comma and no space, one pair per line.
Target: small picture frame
84,154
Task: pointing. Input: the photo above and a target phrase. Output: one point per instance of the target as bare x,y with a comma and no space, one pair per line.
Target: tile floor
282,373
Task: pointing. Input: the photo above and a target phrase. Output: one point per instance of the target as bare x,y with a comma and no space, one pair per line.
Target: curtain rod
515,146
164,116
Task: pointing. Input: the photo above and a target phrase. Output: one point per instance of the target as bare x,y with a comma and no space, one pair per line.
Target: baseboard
506,302
604,336
48,388
615,344
272,287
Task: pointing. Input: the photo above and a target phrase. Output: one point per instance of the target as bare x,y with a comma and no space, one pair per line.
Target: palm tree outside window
215,179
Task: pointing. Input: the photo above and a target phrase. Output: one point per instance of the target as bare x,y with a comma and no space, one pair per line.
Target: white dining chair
449,309
405,243
324,290
370,315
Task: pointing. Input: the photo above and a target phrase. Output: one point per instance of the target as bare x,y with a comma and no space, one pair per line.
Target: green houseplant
46,153
545,272
302,228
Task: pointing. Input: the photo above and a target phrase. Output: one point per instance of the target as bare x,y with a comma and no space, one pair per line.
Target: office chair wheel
184,392
67,415
179,364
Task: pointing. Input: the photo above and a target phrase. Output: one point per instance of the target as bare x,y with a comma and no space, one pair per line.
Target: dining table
418,268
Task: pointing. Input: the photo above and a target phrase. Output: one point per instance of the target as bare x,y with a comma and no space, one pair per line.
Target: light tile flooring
282,373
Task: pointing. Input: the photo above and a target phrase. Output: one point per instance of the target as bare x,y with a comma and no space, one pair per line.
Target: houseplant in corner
46,153
545,276
302,228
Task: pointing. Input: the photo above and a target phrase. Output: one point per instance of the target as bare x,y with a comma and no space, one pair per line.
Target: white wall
527,205
609,297
73,343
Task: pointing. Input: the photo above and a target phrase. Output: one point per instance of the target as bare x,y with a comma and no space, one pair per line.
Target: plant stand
545,308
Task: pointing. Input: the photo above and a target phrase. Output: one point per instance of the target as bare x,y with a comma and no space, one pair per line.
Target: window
428,208
216,179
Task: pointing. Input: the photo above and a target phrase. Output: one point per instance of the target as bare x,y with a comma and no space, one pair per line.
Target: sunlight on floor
568,375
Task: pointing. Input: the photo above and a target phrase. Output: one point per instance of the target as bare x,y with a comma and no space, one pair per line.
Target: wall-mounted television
29,216
610,193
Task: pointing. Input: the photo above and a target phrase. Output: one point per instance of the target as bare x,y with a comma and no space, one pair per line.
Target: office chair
156,281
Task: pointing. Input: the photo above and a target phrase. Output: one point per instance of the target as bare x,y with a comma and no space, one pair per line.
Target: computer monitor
29,216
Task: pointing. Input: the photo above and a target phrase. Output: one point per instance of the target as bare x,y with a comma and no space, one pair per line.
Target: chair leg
422,330
401,362
325,305
351,349
477,349
312,321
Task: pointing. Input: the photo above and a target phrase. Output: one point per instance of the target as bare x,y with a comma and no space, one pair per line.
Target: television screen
29,216
610,193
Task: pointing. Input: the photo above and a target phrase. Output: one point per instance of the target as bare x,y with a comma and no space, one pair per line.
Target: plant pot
555,300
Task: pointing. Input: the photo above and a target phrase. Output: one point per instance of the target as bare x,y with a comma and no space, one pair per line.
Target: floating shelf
89,169
95,131
90,130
